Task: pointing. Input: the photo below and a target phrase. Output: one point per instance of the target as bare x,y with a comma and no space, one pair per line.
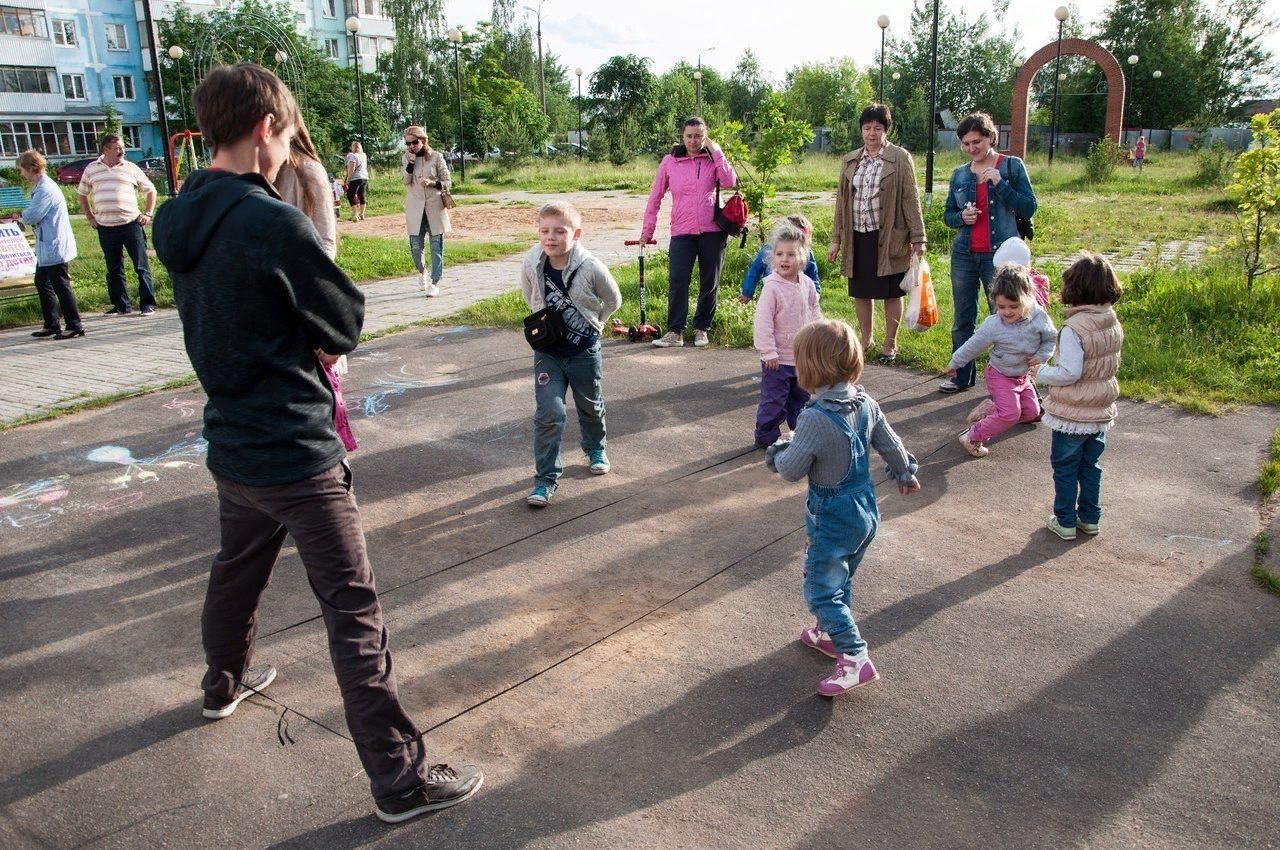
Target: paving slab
624,664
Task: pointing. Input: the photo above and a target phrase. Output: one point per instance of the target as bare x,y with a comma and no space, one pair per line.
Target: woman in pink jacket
691,172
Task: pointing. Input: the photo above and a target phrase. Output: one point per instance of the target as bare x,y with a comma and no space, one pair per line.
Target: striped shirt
866,193
113,191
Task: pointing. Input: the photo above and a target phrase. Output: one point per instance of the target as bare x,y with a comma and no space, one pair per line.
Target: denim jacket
1010,198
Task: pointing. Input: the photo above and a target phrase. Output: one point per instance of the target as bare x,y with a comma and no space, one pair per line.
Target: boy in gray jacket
1021,336
561,275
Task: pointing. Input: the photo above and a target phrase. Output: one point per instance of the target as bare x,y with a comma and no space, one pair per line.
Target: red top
980,232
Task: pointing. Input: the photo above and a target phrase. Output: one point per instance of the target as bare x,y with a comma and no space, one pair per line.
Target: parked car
153,167
454,158
69,173
570,149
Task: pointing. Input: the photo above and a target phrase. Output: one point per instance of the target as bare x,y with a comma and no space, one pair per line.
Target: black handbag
544,328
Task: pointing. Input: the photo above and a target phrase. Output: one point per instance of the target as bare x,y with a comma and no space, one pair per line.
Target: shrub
1101,161
1213,165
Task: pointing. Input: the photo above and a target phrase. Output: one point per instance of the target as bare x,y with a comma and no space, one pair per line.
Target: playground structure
183,152
1027,73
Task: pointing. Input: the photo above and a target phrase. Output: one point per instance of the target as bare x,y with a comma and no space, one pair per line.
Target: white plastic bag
922,306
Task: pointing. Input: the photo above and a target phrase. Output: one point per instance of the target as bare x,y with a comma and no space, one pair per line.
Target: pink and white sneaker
815,638
852,671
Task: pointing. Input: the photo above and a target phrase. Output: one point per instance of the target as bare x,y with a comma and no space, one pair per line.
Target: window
21,80
117,37
85,134
331,48
27,23
73,86
64,33
124,88
131,135
373,8
53,138
330,9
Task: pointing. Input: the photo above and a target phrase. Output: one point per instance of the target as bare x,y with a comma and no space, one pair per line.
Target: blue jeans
418,243
967,271
115,241
1077,477
841,522
552,377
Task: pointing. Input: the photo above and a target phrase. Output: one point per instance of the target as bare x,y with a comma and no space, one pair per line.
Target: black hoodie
257,295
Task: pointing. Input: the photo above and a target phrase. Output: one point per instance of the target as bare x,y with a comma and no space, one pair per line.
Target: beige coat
308,189
422,192
901,224
1093,397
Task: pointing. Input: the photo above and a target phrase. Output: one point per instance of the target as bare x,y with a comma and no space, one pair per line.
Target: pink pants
1015,401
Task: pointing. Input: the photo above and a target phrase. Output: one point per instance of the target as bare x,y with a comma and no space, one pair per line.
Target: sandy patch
492,221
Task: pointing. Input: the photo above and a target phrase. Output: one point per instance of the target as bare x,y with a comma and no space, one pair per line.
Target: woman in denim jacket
984,201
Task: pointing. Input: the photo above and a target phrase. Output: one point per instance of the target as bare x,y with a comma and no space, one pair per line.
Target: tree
777,140
1256,190
624,90
1163,34
417,23
745,88
976,64
1235,63
829,94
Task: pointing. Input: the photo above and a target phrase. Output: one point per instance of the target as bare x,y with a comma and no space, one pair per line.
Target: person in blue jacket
759,268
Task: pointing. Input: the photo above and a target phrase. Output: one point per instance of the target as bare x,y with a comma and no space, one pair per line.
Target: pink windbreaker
783,309
692,181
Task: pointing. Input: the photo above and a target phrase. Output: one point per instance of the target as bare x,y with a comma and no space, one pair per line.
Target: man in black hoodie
261,307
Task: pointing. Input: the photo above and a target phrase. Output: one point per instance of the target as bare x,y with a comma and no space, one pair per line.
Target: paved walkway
127,354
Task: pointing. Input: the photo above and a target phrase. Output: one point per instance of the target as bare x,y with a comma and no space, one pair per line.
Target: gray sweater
820,449
1010,343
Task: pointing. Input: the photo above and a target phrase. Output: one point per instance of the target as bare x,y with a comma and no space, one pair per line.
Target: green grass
1269,477
363,258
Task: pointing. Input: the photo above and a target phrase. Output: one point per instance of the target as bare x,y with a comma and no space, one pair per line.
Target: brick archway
1070,46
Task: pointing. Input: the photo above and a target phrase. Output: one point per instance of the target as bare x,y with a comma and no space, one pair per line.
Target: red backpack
732,217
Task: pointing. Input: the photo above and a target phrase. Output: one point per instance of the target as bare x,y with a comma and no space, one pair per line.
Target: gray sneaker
254,679
446,786
673,339
700,338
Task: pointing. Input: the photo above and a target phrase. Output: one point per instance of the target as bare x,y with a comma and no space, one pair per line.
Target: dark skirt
865,283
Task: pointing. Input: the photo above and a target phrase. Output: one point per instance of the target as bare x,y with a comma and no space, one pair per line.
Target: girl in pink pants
1021,336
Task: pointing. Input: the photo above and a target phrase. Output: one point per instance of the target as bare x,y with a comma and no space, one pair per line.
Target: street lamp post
353,27
1061,13
175,54
1132,61
933,104
883,23
159,92
455,36
697,78
578,71
542,81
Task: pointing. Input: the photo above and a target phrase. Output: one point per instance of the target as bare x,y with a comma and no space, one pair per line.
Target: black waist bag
545,328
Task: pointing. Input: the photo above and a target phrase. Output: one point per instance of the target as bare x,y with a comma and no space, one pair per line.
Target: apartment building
62,62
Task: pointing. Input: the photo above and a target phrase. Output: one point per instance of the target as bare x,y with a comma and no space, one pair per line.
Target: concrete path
127,354
624,664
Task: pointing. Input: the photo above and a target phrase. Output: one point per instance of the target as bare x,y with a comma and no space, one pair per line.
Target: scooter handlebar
630,242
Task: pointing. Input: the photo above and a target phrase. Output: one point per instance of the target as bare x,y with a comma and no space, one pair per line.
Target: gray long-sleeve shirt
1011,343
820,449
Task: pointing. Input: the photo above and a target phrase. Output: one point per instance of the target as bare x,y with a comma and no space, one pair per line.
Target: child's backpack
1040,284
732,217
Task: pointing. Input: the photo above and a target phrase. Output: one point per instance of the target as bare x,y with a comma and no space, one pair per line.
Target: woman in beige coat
426,175
878,226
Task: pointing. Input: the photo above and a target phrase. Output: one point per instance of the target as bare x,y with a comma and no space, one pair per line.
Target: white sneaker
673,339
433,290
422,281
700,338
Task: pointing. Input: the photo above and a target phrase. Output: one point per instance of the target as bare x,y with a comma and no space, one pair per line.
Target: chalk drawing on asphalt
375,401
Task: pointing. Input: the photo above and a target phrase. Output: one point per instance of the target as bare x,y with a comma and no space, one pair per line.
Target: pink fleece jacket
692,181
784,308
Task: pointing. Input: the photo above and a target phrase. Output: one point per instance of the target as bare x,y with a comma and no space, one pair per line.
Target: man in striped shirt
109,198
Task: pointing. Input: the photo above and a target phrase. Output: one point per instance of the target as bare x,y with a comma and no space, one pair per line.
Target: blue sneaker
540,496
599,462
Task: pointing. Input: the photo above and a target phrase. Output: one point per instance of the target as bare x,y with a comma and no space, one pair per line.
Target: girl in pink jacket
788,303
691,172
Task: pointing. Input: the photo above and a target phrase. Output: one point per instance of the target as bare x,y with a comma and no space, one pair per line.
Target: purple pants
781,398
1015,401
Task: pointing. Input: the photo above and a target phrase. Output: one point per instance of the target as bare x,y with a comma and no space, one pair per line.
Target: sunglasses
413,143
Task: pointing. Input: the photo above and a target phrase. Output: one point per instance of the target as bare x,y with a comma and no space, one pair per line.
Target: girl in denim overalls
831,445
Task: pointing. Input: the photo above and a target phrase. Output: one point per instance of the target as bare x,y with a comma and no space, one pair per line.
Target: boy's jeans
1077,477
418,243
967,271
552,378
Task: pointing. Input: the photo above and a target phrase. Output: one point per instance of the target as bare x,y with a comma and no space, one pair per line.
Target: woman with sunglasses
426,175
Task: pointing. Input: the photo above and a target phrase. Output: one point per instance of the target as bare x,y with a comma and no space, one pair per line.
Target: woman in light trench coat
426,175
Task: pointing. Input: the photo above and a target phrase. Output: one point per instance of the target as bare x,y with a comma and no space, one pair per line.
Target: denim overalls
841,522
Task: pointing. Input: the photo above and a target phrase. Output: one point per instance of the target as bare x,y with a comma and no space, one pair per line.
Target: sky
588,32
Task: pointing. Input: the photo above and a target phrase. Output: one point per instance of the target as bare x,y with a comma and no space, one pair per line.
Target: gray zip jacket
591,288
1010,344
